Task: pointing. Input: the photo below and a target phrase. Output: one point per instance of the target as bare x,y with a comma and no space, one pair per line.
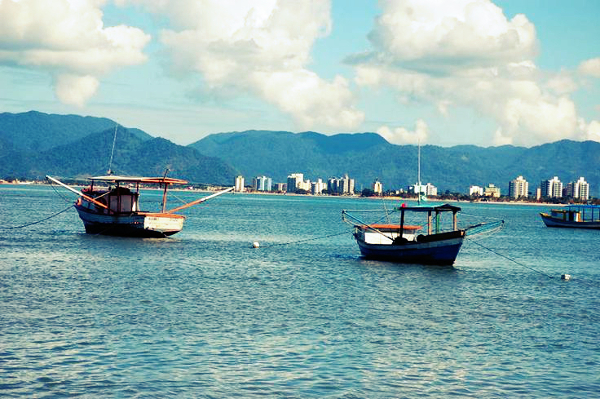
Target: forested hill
38,131
367,156
80,155
33,144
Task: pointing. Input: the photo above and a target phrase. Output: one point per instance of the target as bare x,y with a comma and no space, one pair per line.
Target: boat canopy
437,208
134,179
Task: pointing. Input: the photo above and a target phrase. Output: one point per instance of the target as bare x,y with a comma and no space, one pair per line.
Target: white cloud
402,135
75,90
68,39
261,48
467,53
591,131
591,67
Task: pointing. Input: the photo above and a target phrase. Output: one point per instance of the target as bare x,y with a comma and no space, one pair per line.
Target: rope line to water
510,259
306,240
39,221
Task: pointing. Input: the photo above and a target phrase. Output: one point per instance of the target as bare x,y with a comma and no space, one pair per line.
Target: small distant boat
574,216
401,243
115,210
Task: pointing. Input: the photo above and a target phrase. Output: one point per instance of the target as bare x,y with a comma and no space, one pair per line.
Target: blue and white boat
574,216
405,243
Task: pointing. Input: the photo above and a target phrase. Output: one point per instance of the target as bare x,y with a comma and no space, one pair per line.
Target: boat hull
550,221
136,224
435,252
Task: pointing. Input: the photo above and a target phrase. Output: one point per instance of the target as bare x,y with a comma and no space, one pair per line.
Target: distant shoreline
392,198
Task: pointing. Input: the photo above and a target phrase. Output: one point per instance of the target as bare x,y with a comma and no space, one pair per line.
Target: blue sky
518,72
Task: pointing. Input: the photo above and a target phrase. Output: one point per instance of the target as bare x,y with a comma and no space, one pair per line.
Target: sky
482,72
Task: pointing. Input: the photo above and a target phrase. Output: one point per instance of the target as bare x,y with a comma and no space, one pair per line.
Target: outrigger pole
87,197
198,201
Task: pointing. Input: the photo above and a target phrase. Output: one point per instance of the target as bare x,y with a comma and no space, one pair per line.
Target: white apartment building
428,189
239,184
476,190
552,188
295,182
579,189
377,187
518,187
317,187
262,183
342,186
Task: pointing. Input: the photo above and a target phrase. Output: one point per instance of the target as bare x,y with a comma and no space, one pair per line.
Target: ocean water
203,314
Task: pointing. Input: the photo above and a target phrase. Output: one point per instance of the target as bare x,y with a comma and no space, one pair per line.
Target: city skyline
518,188
468,72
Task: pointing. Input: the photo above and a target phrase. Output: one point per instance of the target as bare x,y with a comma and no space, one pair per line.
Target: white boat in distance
114,210
574,216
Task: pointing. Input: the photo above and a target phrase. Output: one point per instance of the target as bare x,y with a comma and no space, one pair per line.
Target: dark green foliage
366,156
34,144
36,131
136,153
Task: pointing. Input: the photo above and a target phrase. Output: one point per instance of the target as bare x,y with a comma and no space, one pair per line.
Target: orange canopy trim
134,179
390,227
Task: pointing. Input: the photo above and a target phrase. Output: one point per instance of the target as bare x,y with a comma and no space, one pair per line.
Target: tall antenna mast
110,172
419,171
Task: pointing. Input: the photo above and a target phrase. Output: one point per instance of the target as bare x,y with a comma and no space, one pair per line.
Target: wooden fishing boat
113,208
573,216
402,243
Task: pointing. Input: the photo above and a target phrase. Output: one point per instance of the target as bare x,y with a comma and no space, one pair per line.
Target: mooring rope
305,240
510,259
38,221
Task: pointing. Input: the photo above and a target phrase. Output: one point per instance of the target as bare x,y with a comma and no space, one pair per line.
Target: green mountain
34,144
84,155
37,131
367,156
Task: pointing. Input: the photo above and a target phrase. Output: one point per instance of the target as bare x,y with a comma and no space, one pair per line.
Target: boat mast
419,171
110,172
164,199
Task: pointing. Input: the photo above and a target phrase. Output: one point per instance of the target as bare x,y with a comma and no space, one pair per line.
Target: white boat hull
136,224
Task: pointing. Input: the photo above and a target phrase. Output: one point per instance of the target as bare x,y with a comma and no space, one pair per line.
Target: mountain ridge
41,145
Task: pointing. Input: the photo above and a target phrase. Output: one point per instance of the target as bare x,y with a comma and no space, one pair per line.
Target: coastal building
281,187
518,188
262,183
377,187
317,187
552,188
476,191
239,184
295,182
342,186
492,191
424,189
579,189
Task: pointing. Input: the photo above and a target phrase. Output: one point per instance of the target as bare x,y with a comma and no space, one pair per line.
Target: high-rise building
552,188
518,187
239,184
262,183
294,182
581,189
318,187
377,187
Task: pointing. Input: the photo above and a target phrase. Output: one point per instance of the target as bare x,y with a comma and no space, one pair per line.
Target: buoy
566,277
255,244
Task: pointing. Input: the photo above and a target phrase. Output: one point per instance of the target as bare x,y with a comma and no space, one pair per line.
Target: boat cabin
122,194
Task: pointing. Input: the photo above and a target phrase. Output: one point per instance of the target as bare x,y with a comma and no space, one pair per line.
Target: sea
204,314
